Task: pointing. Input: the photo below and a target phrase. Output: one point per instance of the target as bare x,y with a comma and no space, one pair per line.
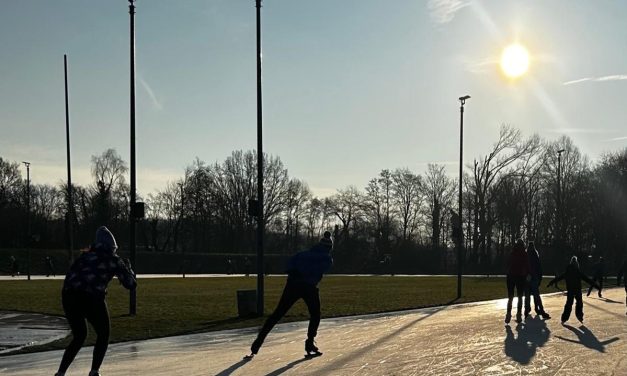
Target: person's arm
588,280
556,279
125,274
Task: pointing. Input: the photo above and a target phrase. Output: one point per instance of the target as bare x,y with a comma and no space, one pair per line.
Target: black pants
533,289
568,307
519,283
291,293
78,307
599,280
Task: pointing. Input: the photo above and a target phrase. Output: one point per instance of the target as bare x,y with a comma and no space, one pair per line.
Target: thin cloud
616,139
579,131
443,11
615,77
151,94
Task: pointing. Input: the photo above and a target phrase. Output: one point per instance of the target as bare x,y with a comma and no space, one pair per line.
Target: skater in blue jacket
304,272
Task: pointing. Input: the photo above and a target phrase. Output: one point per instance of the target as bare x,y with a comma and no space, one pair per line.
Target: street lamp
260,217
70,204
462,101
28,237
133,294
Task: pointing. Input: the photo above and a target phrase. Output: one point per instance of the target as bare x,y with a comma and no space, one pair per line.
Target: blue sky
350,87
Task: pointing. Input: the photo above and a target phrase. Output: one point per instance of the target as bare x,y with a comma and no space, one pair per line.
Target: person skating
622,272
533,287
598,275
83,297
15,266
49,267
517,274
304,271
573,277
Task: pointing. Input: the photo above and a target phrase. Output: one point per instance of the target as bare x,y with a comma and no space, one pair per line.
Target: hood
105,239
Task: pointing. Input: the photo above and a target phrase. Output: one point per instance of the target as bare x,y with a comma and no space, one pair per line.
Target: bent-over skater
304,272
83,297
598,275
533,287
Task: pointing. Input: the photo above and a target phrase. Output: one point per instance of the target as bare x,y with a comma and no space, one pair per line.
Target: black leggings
78,307
292,292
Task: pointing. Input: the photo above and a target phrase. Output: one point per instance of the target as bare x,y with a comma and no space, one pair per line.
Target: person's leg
590,288
510,297
578,306
520,291
528,293
312,300
76,319
568,307
98,317
600,286
290,295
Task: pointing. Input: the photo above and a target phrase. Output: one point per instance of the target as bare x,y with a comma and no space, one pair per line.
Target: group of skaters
525,275
14,266
85,288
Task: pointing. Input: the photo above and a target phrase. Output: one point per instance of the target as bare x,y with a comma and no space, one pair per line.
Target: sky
350,87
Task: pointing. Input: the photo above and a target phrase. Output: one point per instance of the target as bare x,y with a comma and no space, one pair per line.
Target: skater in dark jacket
517,273
573,277
304,272
622,272
599,274
83,297
533,287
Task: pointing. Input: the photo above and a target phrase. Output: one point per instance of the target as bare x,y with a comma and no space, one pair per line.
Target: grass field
171,306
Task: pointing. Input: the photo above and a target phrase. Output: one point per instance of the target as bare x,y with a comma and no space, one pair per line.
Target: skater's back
518,260
310,265
94,269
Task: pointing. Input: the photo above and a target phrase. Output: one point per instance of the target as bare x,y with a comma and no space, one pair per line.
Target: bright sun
515,60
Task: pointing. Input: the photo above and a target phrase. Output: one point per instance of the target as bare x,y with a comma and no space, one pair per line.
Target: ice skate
311,350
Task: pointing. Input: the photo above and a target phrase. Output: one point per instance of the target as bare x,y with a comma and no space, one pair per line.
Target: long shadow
533,333
381,340
604,310
287,367
232,368
587,338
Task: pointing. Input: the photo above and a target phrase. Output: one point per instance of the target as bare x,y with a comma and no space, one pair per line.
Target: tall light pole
133,294
70,198
28,236
260,214
558,220
460,242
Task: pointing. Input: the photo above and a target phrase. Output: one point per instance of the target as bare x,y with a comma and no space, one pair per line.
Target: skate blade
313,355
248,357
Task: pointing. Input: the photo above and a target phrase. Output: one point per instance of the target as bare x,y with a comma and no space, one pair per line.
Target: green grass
170,306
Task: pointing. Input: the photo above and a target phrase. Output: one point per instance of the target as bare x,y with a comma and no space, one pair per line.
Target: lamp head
463,99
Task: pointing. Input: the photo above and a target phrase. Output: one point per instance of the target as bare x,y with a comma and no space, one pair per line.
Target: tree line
400,221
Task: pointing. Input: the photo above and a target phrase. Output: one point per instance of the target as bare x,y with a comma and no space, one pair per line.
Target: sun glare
515,60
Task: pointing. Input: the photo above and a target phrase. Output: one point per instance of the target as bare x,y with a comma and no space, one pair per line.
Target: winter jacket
309,266
518,262
573,277
599,269
94,269
535,267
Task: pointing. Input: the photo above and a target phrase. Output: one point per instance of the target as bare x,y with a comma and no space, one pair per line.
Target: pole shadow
287,367
531,334
232,368
587,338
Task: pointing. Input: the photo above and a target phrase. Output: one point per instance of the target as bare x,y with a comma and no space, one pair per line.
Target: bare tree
407,196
